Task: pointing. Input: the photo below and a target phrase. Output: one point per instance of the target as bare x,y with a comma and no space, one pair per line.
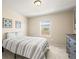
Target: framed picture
17,24
6,23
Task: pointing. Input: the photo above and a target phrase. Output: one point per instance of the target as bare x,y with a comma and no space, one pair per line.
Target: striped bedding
30,47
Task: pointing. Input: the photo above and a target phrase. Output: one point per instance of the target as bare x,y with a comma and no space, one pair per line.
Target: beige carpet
57,53
53,53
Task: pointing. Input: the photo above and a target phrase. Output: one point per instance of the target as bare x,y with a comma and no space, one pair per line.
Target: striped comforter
30,47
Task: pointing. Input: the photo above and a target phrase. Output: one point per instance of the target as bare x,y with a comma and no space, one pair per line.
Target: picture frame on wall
18,24
6,23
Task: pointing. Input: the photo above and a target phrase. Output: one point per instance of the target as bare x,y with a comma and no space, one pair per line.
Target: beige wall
8,12
61,23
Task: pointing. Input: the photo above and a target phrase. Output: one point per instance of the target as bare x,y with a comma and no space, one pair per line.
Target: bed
26,46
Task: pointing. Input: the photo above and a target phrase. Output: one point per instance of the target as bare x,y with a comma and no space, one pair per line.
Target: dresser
71,45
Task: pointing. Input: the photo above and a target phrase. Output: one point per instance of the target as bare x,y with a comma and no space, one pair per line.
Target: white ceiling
27,7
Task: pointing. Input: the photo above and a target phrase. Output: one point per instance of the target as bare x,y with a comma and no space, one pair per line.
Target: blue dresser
71,45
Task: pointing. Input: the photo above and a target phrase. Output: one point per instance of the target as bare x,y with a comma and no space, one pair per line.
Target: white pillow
11,35
20,34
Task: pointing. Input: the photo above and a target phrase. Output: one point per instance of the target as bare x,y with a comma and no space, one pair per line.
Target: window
45,28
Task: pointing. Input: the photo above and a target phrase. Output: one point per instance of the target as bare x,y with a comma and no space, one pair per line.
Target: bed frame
3,50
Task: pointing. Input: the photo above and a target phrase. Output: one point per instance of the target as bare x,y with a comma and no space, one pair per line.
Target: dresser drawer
72,41
72,56
72,51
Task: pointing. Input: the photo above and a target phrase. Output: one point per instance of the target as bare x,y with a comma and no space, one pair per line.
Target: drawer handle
75,51
74,43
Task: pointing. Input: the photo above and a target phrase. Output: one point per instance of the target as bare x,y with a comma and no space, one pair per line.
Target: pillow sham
11,35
